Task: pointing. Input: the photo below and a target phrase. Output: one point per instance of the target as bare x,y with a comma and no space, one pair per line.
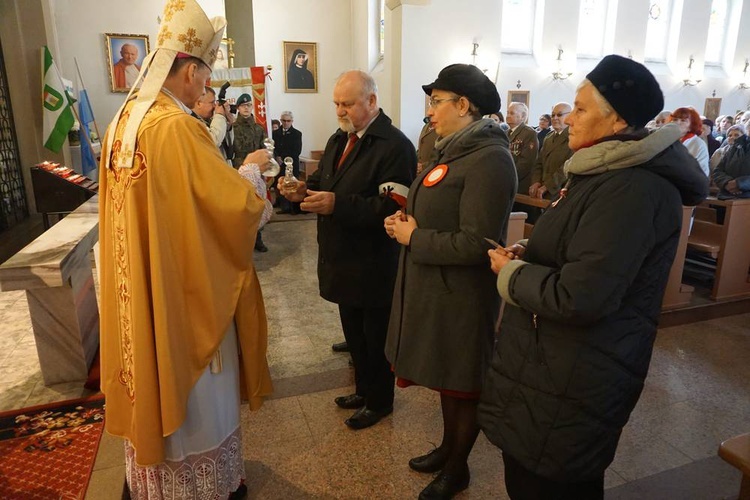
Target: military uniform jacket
549,165
248,137
356,259
523,146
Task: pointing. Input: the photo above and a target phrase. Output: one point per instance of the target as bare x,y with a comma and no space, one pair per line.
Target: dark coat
357,260
445,303
578,329
734,165
289,144
548,169
524,147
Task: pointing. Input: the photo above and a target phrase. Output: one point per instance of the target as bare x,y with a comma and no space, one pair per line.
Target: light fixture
474,53
743,82
559,74
689,82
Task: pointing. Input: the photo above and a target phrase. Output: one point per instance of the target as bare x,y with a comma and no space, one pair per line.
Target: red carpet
49,451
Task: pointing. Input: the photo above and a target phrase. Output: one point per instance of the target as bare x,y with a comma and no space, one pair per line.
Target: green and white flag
58,116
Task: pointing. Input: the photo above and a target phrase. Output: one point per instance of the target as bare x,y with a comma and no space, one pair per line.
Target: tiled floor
297,446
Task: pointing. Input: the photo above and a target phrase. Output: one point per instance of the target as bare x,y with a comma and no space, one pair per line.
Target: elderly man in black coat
363,177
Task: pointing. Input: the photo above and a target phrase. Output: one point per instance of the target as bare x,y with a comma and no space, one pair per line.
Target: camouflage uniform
248,137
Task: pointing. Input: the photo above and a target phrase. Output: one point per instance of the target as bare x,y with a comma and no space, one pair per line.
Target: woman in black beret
583,294
444,303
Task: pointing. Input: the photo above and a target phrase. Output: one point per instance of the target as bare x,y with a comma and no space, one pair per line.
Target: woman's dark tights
460,431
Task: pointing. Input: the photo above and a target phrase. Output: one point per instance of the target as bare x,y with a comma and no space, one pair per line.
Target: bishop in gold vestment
176,235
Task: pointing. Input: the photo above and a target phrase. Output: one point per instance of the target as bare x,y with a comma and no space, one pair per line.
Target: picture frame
225,54
712,108
125,54
300,67
522,96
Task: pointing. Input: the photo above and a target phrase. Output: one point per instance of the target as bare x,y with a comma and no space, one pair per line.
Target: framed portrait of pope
125,54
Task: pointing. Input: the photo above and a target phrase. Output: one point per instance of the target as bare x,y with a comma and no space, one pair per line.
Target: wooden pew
733,255
705,237
55,272
678,294
525,199
736,451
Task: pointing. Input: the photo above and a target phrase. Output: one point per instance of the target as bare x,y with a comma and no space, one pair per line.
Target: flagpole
96,127
78,119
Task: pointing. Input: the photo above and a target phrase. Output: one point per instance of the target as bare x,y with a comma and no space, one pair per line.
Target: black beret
468,81
629,87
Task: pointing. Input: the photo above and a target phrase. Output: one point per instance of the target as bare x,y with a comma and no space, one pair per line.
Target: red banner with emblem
260,104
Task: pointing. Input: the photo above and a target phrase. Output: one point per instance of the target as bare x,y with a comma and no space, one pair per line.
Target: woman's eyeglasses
433,102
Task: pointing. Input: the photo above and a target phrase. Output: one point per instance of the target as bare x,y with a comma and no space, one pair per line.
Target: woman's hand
518,251
402,229
498,258
389,224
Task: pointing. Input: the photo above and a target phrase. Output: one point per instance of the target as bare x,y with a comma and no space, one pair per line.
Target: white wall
325,22
79,27
436,35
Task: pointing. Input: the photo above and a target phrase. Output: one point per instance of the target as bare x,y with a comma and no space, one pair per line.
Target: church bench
705,237
733,260
677,293
56,273
736,451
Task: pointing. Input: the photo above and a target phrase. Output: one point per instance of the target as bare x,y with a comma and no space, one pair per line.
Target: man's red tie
353,138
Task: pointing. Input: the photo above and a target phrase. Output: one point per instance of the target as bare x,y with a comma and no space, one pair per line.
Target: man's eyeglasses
434,101
559,115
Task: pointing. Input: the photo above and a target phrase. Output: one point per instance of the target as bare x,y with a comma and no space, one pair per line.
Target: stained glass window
717,32
657,30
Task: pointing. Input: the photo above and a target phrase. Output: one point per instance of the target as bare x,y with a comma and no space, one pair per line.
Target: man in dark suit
366,165
288,142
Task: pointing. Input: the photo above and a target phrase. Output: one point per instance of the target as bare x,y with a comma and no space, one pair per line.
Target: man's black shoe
446,486
340,347
260,247
284,211
350,402
364,417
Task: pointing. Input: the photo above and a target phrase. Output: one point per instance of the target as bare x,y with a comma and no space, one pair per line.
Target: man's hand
533,189
228,113
517,251
732,188
318,202
260,156
541,191
403,228
219,110
296,195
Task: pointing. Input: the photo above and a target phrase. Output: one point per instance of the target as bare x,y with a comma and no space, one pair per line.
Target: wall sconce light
559,74
689,82
743,82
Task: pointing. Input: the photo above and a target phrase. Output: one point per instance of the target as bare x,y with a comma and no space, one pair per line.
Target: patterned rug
49,451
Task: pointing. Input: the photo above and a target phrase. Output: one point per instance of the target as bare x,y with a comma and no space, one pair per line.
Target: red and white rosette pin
436,175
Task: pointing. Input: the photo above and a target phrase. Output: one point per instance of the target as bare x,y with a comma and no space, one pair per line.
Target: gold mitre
185,30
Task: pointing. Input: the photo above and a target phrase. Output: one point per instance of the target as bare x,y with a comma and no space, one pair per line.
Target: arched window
381,29
657,30
595,23
517,35
717,32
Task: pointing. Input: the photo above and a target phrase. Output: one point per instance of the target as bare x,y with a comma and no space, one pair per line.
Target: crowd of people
413,250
